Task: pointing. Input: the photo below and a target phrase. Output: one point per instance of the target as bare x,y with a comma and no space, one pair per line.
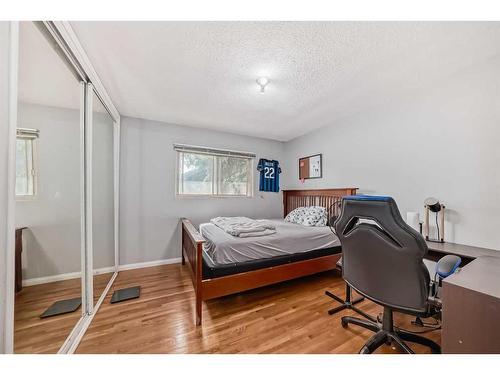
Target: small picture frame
311,167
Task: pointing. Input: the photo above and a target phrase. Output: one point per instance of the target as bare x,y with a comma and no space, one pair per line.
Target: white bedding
290,238
240,226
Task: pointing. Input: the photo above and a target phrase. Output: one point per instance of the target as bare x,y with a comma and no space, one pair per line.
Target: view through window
212,173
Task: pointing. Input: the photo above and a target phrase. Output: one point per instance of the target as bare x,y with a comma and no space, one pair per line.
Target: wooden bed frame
205,289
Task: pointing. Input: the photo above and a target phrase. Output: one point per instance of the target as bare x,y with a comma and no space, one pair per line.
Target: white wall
440,140
150,211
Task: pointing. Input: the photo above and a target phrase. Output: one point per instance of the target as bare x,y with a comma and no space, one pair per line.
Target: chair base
348,303
386,333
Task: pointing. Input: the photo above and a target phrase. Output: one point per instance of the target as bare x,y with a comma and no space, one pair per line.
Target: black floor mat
126,294
62,307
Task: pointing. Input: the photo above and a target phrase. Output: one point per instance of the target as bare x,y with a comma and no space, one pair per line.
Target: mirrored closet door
103,185
66,206
49,188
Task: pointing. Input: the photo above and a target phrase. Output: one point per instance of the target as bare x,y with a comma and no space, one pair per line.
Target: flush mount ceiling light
262,82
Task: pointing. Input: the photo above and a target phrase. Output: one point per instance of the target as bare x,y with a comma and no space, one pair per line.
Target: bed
221,265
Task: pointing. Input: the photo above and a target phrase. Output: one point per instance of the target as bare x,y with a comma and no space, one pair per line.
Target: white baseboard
153,263
51,279
100,271
77,275
64,276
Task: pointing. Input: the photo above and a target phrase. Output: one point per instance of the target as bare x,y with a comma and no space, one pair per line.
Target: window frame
30,135
216,181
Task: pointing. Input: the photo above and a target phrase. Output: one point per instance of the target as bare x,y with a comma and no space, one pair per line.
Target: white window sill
25,198
210,196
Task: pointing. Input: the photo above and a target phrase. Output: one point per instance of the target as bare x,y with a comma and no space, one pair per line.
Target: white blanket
240,226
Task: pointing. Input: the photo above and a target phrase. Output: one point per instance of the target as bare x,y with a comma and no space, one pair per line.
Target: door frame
8,285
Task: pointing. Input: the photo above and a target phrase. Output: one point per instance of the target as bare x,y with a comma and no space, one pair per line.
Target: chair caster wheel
344,323
364,350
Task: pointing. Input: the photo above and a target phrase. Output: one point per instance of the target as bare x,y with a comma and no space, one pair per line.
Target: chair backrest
382,256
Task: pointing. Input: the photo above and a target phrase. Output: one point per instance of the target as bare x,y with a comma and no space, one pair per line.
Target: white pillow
297,215
316,217
313,216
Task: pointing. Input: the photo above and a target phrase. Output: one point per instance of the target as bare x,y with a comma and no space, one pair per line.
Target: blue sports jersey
269,175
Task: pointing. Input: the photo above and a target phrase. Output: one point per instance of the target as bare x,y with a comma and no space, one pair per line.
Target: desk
470,299
471,308
437,249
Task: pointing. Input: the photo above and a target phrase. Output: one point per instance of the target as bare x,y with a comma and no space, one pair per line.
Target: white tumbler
413,220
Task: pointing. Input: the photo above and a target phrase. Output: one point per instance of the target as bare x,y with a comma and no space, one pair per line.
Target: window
25,163
203,171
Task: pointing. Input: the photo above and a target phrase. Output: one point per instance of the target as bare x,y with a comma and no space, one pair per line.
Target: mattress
289,239
212,271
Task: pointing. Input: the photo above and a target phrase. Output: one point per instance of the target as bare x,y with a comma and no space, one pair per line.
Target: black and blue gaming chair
382,259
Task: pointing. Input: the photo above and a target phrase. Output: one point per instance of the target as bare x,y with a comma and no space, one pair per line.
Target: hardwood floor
35,335
290,317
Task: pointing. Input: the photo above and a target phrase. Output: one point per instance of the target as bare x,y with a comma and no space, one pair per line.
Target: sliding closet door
49,196
103,197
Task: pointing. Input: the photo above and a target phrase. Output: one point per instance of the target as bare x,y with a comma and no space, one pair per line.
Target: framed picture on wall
310,167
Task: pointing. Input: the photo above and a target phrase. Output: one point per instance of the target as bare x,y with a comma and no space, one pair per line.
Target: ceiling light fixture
262,82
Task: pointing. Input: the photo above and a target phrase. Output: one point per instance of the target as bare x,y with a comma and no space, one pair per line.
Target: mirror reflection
103,207
48,197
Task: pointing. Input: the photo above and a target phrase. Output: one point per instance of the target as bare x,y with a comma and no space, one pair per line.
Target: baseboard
153,263
77,275
51,279
100,271
63,276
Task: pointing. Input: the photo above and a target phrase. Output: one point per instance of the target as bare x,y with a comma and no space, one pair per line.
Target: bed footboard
192,242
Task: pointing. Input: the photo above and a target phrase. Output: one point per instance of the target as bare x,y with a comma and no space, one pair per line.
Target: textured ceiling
203,73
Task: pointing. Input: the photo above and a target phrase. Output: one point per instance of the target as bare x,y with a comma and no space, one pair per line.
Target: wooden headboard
315,197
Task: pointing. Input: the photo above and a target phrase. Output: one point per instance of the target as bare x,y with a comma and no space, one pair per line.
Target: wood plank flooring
35,335
290,317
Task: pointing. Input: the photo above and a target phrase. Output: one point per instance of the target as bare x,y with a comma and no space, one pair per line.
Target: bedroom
250,187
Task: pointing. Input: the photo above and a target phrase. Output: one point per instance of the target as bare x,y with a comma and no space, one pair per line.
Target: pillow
313,216
297,215
316,217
